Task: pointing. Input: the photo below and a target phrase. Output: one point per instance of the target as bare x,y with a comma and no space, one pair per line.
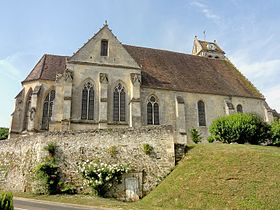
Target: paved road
30,204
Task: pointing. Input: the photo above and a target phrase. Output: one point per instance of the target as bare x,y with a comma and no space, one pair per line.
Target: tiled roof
169,70
184,72
47,68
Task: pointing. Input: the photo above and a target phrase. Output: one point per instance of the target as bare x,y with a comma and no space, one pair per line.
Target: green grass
220,176
212,176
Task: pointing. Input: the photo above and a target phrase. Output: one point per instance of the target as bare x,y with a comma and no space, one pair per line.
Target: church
107,84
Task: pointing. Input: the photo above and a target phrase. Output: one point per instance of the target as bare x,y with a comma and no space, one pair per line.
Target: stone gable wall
19,155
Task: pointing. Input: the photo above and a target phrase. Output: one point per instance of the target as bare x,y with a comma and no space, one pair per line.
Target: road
30,204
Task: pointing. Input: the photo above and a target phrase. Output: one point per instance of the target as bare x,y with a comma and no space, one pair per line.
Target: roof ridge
150,48
43,65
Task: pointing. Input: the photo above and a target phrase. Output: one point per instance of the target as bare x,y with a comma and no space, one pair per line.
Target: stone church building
107,84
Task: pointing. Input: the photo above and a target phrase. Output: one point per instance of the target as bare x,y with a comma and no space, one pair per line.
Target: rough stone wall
19,155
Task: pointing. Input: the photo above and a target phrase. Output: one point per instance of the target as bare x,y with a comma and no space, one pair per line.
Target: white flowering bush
100,176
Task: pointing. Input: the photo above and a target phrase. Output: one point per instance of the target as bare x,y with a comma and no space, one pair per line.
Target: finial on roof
195,37
215,41
204,35
106,23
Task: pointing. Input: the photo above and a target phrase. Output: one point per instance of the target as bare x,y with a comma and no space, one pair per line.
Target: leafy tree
275,133
240,128
4,133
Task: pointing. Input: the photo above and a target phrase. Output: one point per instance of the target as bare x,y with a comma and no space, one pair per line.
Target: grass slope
221,176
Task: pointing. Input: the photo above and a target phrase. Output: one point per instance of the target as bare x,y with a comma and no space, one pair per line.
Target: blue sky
248,31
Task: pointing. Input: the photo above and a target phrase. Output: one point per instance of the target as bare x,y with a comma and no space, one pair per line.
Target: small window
152,111
104,48
209,56
217,57
201,113
239,108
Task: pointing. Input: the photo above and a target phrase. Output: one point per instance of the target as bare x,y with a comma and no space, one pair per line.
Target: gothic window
48,109
119,103
104,48
239,108
201,113
27,109
87,102
152,111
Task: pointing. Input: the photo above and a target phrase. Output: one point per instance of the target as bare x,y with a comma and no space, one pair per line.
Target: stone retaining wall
18,156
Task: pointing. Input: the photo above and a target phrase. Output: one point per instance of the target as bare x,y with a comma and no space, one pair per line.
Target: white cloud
265,75
9,70
272,95
208,13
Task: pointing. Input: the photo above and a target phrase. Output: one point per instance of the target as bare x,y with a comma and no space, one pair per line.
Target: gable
91,51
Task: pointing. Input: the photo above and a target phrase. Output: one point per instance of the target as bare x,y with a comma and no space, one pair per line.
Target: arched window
87,102
152,111
27,109
201,113
119,103
48,109
239,108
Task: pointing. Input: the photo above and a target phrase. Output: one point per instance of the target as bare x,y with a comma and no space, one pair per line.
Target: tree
4,133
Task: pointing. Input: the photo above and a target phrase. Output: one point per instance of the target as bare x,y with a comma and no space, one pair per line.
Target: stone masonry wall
18,156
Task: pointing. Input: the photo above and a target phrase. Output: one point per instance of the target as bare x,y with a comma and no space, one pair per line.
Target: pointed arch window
48,109
201,113
119,103
152,111
27,109
87,102
239,108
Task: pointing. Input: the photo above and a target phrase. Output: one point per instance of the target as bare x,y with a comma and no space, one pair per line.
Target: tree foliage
239,128
4,133
275,133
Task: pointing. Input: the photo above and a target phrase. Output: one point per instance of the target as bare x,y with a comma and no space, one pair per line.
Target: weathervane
204,34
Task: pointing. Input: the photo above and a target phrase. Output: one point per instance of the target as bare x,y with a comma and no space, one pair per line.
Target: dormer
207,49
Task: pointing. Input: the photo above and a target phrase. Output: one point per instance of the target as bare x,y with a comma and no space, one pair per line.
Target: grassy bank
212,176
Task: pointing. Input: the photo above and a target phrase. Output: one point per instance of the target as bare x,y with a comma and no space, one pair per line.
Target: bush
6,201
147,149
51,148
112,151
196,136
4,133
100,176
240,128
275,133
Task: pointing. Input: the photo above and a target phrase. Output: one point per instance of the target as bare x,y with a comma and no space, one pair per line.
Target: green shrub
275,133
6,201
196,136
112,151
68,188
4,133
100,176
51,148
211,139
240,128
147,149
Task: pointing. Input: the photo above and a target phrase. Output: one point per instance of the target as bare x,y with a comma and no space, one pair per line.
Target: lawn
211,176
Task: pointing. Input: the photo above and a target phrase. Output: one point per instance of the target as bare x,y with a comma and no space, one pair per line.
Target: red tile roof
183,72
47,68
169,70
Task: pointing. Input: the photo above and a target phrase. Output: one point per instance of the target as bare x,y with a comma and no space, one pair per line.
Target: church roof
169,70
47,68
183,72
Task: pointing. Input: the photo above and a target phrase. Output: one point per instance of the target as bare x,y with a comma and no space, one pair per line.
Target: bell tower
207,49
